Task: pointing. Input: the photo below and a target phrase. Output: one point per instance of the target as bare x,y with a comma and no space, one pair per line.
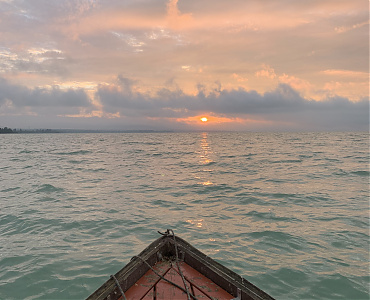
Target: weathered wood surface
226,279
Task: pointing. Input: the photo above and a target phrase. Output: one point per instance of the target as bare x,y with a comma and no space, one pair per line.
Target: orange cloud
232,20
109,20
295,82
354,91
347,83
266,71
345,73
175,19
239,78
343,29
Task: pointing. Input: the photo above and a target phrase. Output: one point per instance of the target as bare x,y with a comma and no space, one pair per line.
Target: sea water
287,211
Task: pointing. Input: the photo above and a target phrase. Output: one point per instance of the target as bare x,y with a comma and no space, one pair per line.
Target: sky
251,65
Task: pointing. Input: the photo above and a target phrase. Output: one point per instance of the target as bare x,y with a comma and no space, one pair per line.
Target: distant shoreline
7,130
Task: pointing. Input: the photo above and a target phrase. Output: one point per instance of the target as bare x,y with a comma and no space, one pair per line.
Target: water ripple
288,211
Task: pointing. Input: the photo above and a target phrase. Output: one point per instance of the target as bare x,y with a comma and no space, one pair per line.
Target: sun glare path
204,119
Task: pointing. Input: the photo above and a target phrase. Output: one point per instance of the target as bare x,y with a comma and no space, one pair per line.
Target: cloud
266,71
18,99
177,20
343,29
51,51
123,105
296,83
346,73
284,105
239,78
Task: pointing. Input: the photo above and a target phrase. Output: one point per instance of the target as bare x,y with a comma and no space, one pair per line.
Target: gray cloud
282,105
43,101
281,109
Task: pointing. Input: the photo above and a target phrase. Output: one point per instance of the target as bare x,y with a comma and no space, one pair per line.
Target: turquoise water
287,211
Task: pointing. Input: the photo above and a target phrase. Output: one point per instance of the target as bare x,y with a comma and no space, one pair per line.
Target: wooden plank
168,291
145,284
226,279
205,285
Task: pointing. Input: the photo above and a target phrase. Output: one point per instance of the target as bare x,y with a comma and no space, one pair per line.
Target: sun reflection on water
204,176
205,158
199,223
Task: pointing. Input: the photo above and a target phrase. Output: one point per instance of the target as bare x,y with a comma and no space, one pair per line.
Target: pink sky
155,64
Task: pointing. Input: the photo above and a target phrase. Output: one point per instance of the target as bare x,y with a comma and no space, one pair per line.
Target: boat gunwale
131,272
164,246
220,275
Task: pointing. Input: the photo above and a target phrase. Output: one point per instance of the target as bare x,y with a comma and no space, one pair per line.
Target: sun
204,119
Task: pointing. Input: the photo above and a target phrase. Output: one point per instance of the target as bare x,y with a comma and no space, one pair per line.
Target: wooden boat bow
171,260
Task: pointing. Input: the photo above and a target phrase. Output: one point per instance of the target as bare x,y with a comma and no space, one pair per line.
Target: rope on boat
119,286
167,233
165,279
189,294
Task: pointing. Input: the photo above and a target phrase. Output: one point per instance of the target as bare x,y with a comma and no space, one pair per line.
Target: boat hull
166,248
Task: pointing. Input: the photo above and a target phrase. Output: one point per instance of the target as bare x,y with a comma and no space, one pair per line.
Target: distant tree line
6,130
9,130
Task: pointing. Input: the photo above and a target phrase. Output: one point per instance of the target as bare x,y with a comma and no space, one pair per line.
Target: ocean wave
48,188
76,152
76,208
